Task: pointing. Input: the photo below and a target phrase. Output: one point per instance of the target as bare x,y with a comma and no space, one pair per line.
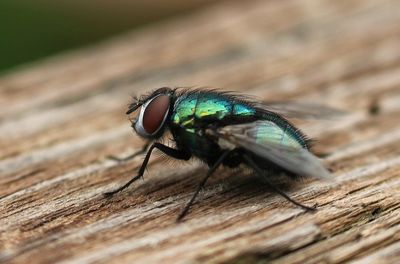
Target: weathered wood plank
61,118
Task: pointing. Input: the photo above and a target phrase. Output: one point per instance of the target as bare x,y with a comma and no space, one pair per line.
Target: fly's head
155,109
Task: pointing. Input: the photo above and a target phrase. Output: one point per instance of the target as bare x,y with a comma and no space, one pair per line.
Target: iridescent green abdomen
271,132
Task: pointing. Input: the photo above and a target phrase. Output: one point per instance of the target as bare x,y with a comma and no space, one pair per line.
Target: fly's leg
137,153
252,164
175,153
201,185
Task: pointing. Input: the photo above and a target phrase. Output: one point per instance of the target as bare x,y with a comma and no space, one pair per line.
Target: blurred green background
33,29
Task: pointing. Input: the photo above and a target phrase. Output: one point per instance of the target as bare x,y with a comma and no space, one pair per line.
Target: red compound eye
154,113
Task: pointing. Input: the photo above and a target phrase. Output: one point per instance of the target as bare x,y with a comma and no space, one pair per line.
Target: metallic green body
191,109
194,112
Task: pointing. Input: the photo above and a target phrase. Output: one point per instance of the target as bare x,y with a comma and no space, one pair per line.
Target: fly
222,128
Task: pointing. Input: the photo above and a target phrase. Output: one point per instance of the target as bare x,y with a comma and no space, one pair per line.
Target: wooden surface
60,119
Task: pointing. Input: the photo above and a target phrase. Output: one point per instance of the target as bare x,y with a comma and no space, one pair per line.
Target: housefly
223,128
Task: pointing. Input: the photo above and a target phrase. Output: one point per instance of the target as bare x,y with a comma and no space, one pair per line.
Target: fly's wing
301,110
267,140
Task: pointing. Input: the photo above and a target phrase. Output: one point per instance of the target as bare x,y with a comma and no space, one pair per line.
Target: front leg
174,153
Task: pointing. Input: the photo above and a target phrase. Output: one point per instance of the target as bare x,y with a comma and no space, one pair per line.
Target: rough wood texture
62,117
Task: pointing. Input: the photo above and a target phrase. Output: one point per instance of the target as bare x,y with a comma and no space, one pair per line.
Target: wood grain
61,118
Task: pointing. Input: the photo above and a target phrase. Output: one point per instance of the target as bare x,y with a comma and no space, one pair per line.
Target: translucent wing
301,110
267,140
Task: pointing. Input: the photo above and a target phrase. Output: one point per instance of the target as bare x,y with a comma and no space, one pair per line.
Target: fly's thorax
183,110
194,113
204,108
